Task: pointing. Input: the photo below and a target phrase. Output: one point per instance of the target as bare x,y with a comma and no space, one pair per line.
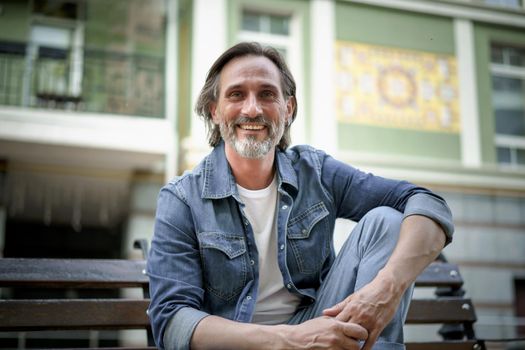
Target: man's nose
251,107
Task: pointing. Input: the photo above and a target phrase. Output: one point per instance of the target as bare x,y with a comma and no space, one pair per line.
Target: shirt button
282,247
284,207
252,262
246,222
249,297
289,286
304,231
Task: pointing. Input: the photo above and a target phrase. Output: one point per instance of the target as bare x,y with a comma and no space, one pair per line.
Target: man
242,254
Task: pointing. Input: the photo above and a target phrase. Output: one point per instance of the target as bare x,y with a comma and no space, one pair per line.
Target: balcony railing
82,79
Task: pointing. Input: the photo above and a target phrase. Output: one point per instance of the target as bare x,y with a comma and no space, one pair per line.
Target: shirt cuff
179,331
434,208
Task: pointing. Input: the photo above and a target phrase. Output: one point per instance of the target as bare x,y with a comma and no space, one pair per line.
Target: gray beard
250,147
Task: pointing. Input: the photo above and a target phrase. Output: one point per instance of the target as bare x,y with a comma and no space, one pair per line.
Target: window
53,74
502,4
508,55
508,101
50,50
273,24
269,29
515,4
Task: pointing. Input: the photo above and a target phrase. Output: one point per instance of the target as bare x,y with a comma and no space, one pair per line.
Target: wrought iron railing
82,79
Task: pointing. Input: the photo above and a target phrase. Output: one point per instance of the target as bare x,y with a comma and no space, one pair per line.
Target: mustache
246,120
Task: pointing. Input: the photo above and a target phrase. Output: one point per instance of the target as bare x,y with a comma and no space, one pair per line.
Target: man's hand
372,307
325,333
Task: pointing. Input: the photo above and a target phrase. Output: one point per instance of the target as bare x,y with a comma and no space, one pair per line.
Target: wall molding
492,15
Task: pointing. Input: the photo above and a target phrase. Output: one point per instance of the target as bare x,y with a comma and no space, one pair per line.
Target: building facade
96,114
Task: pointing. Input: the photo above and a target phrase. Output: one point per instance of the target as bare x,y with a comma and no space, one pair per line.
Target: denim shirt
203,258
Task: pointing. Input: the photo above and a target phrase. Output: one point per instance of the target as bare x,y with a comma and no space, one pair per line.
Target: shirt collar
285,169
220,183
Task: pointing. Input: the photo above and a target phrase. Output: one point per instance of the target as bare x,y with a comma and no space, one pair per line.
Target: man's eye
235,94
268,94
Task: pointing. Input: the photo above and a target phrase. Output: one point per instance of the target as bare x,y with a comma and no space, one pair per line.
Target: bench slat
442,345
121,313
101,273
72,273
442,310
55,314
440,274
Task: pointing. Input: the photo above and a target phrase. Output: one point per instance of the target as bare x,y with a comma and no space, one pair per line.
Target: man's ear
290,109
213,112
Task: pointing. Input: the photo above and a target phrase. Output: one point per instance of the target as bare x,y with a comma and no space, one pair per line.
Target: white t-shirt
274,303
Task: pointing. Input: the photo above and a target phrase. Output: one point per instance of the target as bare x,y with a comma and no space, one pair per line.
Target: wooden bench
449,307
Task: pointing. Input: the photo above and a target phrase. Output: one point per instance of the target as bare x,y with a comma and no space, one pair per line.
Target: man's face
251,110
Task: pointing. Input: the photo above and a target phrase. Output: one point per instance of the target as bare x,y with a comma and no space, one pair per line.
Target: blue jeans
364,253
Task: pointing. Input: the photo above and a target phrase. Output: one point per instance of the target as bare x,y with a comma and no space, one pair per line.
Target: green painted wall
14,21
484,35
398,142
300,8
405,30
389,27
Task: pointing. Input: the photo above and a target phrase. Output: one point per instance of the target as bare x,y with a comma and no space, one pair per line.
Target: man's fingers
345,314
350,344
334,310
355,331
338,308
370,341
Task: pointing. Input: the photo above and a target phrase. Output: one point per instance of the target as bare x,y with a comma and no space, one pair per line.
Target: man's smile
251,127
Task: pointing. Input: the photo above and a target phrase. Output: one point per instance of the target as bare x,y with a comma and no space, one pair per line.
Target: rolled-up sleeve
179,331
433,207
175,274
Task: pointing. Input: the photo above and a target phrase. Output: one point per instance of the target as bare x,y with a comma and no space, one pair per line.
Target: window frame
514,143
75,48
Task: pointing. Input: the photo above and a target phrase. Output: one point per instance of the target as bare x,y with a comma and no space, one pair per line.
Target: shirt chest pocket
224,263
309,239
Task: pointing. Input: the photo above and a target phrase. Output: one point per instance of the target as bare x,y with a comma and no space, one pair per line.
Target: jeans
364,253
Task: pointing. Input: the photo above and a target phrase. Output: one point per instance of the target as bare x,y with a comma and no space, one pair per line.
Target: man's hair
210,91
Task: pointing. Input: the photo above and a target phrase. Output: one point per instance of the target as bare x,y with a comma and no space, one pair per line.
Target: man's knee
384,215
380,228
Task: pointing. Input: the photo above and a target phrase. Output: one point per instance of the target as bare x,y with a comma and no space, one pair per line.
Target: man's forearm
215,332
421,240
319,333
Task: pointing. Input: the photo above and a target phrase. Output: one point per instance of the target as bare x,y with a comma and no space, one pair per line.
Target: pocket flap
300,226
232,246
